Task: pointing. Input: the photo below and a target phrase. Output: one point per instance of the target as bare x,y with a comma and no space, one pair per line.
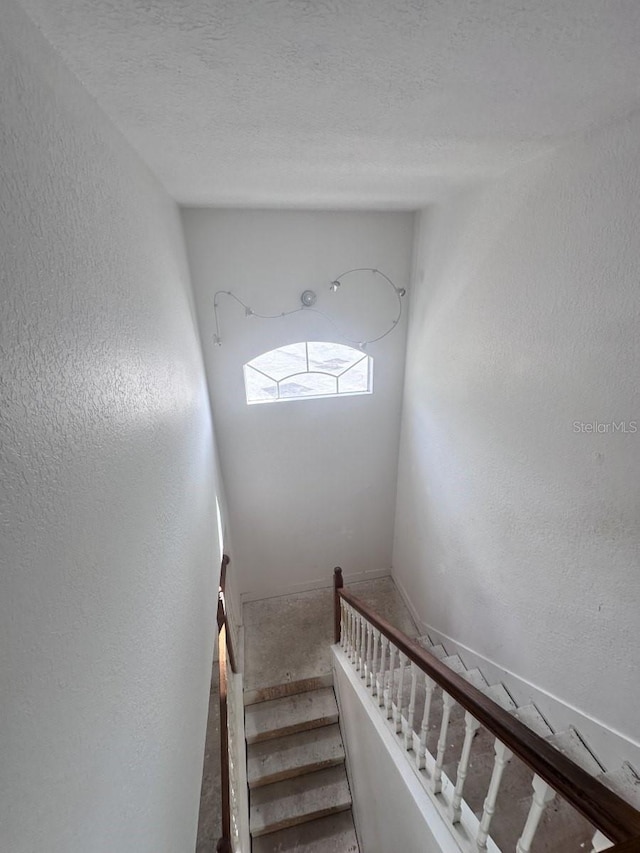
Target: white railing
419,713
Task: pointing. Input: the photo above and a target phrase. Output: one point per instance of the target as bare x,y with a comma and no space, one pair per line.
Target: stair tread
292,755
533,719
500,696
625,782
476,678
284,804
570,744
437,650
455,663
332,834
277,717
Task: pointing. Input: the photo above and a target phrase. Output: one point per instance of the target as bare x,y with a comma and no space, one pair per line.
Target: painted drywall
391,809
517,525
310,484
109,553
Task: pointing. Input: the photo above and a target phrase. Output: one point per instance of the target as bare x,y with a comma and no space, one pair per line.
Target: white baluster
542,795
471,726
397,711
362,653
347,638
429,686
503,757
367,663
350,633
408,735
380,682
374,662
600,842
343,624
388,690
447,704
356,637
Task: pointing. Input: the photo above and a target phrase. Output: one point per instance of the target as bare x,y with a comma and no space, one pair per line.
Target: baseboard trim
610,746
308,586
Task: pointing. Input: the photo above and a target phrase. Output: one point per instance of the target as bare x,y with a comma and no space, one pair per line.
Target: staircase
299,794
298,790
561,827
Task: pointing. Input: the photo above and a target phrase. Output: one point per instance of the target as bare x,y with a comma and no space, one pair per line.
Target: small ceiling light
308,298
334,286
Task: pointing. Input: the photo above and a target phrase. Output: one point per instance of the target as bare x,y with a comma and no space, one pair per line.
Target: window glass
308,369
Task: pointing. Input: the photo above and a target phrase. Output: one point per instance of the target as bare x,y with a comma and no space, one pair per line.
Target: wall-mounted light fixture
308,299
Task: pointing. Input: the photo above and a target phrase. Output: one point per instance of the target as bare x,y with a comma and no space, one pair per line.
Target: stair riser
332,834
280,691
295,772
299,819
293,729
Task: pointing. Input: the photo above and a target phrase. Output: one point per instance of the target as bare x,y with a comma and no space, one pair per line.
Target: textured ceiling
356,103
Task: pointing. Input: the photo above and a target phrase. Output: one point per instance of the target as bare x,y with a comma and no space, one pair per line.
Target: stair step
281,758
290,714
333,834
294,801
533,719
570,743
289,688
476,678
438,651
500,696
455,663
625,782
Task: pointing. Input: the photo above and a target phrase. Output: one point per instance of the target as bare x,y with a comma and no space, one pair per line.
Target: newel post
338,583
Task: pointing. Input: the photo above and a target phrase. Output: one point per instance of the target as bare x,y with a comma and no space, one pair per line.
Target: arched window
307,370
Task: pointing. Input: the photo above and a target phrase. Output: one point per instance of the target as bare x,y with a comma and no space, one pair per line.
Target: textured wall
345,103
517,532
310,483
107,515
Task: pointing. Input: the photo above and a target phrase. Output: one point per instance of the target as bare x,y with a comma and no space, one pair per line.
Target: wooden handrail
630,846
338,584
225,652
222,612
608,812
224,844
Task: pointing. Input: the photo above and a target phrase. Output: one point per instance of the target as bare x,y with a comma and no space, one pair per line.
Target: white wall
515,534
310,484
109,557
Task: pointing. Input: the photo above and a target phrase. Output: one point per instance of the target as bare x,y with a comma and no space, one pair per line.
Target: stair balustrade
380,654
